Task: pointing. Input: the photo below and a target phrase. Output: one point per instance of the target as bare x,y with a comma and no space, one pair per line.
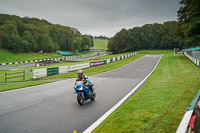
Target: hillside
100,44
32,35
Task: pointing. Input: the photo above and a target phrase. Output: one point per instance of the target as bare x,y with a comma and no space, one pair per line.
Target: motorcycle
84,93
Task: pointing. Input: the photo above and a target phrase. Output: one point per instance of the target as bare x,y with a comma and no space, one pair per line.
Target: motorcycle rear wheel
80,99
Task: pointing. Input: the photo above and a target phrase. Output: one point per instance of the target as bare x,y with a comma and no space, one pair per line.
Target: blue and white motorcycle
84,93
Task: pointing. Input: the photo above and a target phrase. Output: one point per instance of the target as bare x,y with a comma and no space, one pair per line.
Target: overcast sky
95,17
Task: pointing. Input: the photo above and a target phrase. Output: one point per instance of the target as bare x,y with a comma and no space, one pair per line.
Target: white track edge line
102,118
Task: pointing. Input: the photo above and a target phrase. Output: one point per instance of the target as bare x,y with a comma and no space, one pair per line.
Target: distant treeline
32,35
149,36
182,34
101,37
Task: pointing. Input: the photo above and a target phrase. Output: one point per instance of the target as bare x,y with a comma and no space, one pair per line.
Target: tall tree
28,42
10,38
76,46
117,44
86,42
189,22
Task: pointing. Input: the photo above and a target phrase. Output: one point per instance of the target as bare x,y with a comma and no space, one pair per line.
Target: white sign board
79,66
39,73
63,69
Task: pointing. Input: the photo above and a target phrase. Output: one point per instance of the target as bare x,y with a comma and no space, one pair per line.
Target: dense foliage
32,35
149,36
101,37
189,22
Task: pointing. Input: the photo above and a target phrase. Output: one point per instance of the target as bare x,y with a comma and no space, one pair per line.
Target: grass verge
159,105
155,51
7,56
100,44
18,85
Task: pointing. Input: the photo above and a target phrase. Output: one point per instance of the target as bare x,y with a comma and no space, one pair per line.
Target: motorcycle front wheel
93,96
80,99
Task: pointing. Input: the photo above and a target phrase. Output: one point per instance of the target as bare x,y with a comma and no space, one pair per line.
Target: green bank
100,44
159,105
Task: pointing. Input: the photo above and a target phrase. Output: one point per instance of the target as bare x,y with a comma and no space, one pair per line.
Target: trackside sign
79,66
97,63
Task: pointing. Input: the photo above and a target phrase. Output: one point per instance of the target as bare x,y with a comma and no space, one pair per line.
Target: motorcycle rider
84,78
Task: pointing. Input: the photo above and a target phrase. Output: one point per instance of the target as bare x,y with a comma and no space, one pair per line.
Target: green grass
155,51
100,44
159,105
7,56
18,85
11,71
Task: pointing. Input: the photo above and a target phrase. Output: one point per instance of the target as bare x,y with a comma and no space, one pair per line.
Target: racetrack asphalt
53,107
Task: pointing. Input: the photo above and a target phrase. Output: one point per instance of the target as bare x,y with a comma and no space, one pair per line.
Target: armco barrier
118,58
195,61
108,61
39,73
113,59
183,127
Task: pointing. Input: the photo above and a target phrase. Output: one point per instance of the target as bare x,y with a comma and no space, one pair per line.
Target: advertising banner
96,63
52,71
104,61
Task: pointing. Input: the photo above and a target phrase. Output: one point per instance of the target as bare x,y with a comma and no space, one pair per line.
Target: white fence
195,61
